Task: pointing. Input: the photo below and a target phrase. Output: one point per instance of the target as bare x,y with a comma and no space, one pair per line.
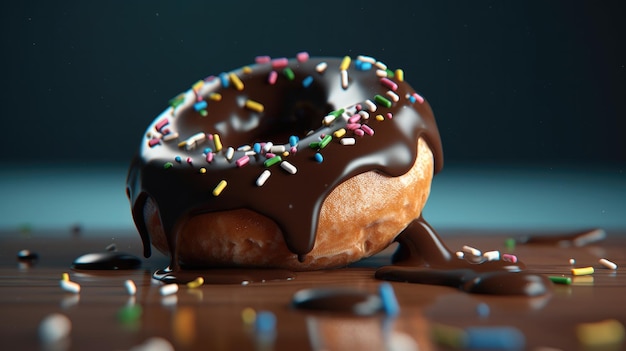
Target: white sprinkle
370,105
368,59
131,288
472,251
268,146
381,65
321,67
263,177
492,255
278,149
230,152
250,153
572,261
608,264
288,167
244,148
460,254
381,73
393,96
170,136
344,79
69,286
168,289
328,119
198,137
348,141
54,328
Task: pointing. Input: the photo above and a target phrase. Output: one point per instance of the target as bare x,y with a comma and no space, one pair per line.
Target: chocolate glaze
289,109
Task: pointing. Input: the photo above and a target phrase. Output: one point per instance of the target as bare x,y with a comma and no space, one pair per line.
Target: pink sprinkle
509,258
358,107
359,132
280,62
242,161
209,157
210,136
353,126
262,59
189,160
389,83
272,77
293,149
269,155
322,135
354,118
389,115
154,141
302,56
418,97
162,123
367,129
165,131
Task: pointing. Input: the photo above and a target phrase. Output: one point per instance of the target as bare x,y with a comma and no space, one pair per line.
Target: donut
303,163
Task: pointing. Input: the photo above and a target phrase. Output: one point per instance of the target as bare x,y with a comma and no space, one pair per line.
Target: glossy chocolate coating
293,201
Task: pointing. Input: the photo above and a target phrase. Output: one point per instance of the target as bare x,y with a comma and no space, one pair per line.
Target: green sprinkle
314,145
509,243
175,101
289,73
168,165
203,113
272,161
390,73
325,141
383,101
337,113
560,280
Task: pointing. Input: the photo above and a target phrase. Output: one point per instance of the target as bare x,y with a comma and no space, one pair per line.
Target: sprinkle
389,115
230,152
359,132
293,140
389,83
154,141
339,133
393,96
509,258
321,67
269,155
246,69
162,123
280,62
236,81
337,113
224,80
314,145
215,96
325,141
189,160
220,187
370,105
200,105
54,328
582,271
364,114
272,77
302,56
367,59
389,300
389,73
69,286
353,126
254,106
262,59
248,316
168,165
293,150
291,169
400,75
268,146
560,280
288,72
318,157
606,334
380,118
381,73
196,283
380,65
382,100
217,142
131,288
354,119
348,141
306,82
572,261
345,63
242,161
344,79
278,149
256,148
176,101
272,161
418,97
459,254
265,322
369,131
170,136
209,157
168,289
244,148
472,251
608,264
263,177
492,255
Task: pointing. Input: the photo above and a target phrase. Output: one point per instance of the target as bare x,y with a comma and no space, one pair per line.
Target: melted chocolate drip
423,258
182,191
106,261
344,300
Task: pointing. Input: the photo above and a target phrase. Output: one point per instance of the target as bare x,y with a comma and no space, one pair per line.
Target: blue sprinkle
319,158
482,309
265,322
358,64
177,159
307,81
256,148
207,150
366,66
293,140
390,303
495,338
224,80
200,105
412,99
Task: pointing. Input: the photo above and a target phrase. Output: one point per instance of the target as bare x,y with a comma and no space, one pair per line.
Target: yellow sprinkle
345,63
65,277
285,154
247,69
236,81
400,75
196,283
380,118
248,315
219,188
215,96
197,85
339,133
254,106
601,334
203,170
182,144
582,271
217,142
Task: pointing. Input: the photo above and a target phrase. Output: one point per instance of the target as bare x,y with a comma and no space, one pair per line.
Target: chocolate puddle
109,260
241,276
575,239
